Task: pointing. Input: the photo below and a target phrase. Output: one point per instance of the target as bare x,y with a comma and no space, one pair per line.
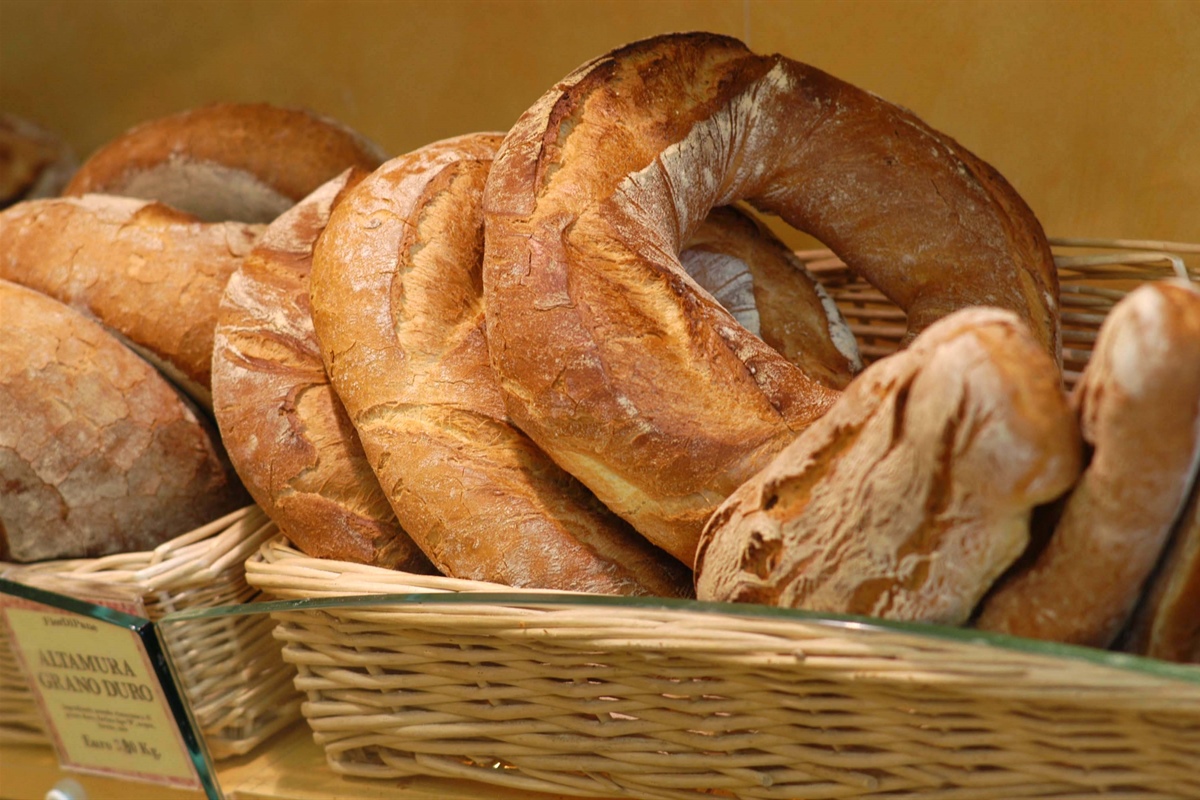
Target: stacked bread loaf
568,356
109,300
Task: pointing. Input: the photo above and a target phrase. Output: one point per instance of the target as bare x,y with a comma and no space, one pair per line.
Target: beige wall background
1091,108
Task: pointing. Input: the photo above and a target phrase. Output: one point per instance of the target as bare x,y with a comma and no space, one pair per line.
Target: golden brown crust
146,271
913,493
1139,409
287,434
99,454
227,161
640,386
398,310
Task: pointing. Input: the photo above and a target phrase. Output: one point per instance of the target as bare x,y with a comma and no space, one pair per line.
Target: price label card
100,694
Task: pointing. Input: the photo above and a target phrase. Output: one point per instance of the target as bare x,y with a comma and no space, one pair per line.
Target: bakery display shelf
411,676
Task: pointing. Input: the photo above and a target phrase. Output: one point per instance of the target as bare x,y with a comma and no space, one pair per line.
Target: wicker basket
200,569
611,697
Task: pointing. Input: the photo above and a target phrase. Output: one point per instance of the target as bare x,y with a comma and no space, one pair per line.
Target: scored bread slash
287,433
99,453
149,272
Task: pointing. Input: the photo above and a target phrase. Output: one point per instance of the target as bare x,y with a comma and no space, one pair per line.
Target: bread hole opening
762,555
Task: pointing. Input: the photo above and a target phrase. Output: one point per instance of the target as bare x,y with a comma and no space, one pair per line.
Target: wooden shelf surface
288,767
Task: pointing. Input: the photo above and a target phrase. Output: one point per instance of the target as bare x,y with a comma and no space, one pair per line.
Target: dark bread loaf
98,453
1166,623
33,162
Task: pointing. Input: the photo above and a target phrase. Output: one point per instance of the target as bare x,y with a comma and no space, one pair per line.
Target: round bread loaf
914,492
398,311
98,453
246,162
287,433
1138,402
33,162
642,387
146,271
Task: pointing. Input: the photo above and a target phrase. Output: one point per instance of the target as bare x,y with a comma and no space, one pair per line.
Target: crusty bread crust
398,310
287,433
640,386
1138,401
148,272
98,452
914,492
246,162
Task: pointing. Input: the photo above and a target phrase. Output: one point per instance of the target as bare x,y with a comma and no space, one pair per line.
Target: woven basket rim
194,557
450,592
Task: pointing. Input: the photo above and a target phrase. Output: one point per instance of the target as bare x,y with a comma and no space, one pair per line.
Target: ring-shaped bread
286,432
397,306
610,359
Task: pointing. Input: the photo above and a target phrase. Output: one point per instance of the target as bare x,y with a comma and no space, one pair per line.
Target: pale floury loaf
1138,402
914,492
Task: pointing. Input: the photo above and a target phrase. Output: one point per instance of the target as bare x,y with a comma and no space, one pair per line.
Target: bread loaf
398,311
152,274
640,386
98,453
914,492
287,433
245,162
1138,402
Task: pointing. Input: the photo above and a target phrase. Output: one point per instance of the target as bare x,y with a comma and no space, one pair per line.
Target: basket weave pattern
540,692
239,687
650,702
1093,276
